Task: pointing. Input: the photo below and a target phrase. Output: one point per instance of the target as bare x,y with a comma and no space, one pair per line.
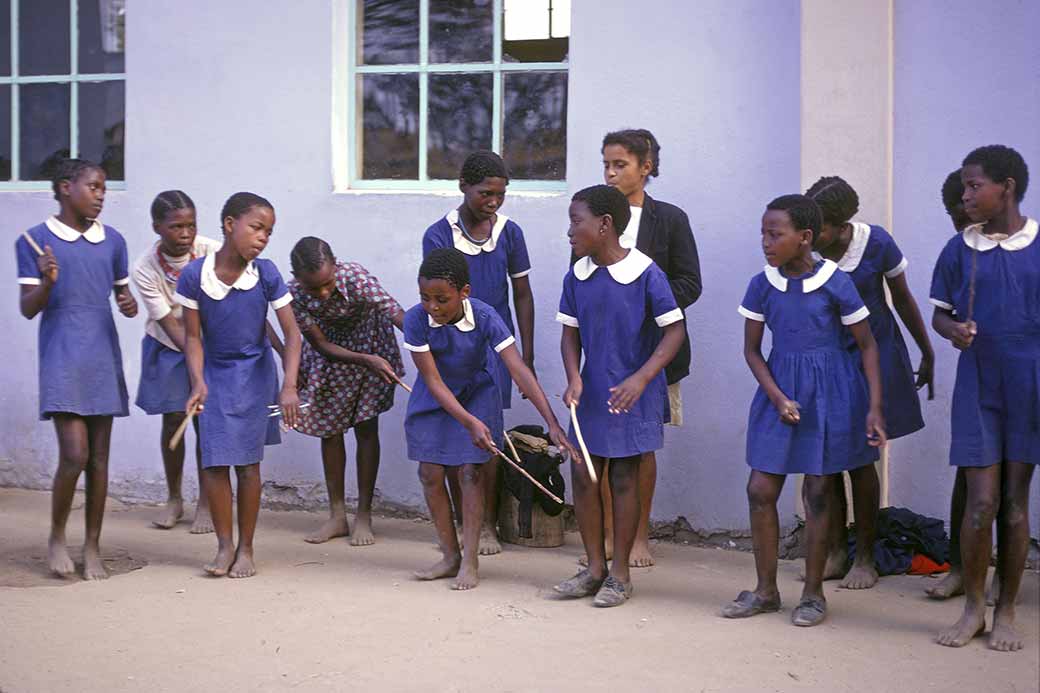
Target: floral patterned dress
356,316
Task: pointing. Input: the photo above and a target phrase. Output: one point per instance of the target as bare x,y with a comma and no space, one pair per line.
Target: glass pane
44,121
5,37
390,126
102,36
389,31
459,121
101,125
534,129
533,31
461,31
5,132
43,37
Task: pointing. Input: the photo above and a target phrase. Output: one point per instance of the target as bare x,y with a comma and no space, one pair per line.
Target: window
432,80
62,87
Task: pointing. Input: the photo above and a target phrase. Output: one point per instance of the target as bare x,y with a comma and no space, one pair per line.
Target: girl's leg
489,544
217,485
248,510
1012,547
640,555
334,460
866,499
953,584
202,524
837,536
983,501
818,497
432,478
473,494
99,432
588,509
173,464
763,491
73,454
455,491
624,486
607,503
366,435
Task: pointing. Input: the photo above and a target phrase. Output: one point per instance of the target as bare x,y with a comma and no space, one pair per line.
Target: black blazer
666,237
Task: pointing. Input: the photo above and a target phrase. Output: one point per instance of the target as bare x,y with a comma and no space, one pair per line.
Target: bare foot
950,586
640,556
93,566
971,624
860,577
243,566
608,556
59,559
489,545
331,528
221,562
993,593
362,535
446,567
834,568
170,515
467,578
1003,637
203,523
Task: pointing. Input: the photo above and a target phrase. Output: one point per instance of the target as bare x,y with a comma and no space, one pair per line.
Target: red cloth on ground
920,564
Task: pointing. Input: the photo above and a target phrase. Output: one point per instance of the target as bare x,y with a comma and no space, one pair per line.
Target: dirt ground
333,617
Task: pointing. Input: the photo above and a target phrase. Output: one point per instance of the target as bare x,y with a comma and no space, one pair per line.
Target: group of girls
837,385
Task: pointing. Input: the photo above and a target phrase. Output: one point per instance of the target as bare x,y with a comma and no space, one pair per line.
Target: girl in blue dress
497,257
812,413
454,418
986,292
618,309
225,297
81,366
871,258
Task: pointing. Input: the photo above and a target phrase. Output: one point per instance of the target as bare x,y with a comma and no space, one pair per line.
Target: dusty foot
170,515
993,593
860,577
93,566
58,558
362,535
243,566
203,523
971,624
221,562
330,529
1003,637
446,567
833,569
950,586
467,578
640,556
489,545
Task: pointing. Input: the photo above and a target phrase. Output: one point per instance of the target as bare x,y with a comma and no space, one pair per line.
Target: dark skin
444,303
1000,491
245,237
321,284
596,237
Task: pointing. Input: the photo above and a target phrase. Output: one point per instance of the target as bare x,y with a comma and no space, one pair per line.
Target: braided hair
483,164
952,191
70,170
309,255
803,210
1000,163
837,200
168,201
605,199
640,143
240,203
448,264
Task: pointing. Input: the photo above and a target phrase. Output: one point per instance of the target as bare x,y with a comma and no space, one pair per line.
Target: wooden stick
526,475
971,280
175,439
403,384
581,442
32,243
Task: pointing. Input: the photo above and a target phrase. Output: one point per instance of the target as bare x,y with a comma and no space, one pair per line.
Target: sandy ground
334,617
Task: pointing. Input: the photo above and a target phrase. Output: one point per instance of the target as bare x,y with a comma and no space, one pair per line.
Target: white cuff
282,302
412,347
940,304
666,319
566,320
29,281
161,313
521,274
751,315
186,302
898,269
125,281
504,343
853,318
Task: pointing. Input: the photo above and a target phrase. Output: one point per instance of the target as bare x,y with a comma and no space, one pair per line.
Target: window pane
533,31
5,132
101,125
461,31
102,36
43,37
5,37
389,31
390,126
459,121
44,122
534,129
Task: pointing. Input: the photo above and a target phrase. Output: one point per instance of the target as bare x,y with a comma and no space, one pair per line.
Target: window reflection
101,126
390,123
461,31
459,121
44,126
534,129
389,31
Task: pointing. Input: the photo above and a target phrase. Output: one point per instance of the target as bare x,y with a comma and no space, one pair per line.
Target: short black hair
804,212
70,170
240,203
640,143
837,199
1000,163
952,191
448,264
309,254
483,164
169,200
605,199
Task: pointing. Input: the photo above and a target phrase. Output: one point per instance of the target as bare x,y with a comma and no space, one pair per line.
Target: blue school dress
239,365
811,365
81,364
996,399
872,256
492,263
619,311
465,356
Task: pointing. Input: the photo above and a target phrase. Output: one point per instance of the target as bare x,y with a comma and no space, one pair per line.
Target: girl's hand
573,392
197,398
48,266
925,374
963,334
480,435
624,396
788,410
381,367
289,401
560,440
127,303
876,436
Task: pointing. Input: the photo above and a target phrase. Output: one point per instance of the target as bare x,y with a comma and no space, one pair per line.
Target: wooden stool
547,531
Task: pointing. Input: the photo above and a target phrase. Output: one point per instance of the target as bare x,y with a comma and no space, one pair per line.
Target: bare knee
624,476
170,423
761,494
982,510
431,475
580,479
367,431
816,494
1014,512
248,473
470,474
73,459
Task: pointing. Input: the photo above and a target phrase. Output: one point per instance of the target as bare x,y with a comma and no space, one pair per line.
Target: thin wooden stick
971,280
526,475
403,384
175,439
32,243
581,442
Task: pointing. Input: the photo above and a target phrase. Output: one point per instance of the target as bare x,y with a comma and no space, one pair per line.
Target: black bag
543,467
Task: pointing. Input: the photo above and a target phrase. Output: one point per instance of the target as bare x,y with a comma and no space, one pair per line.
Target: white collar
94,234
467,246
811,283
975,239
218,290
624,271
465,324
854,253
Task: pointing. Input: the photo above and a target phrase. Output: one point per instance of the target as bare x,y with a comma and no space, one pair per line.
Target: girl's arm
872,368
523,303
753,331
398,319
960,334
528,384
427,368
908,311
174,329
624,395
125,300
276,341
193,355
570,349
288,399
334,352
33,298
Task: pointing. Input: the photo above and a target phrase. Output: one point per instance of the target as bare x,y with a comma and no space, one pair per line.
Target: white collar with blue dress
810,283
462,242
624,271
464,324
95,234
975,239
